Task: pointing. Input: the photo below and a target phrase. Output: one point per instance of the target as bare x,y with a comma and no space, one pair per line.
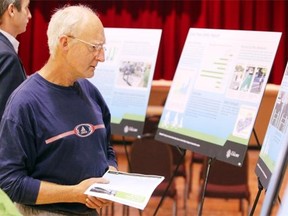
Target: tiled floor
211,207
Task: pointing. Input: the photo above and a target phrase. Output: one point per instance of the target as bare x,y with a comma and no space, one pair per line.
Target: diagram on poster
275,140
125,78
217,90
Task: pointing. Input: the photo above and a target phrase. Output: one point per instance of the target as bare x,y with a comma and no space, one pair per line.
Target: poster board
275,182
284,204
125,78
217,90
275,140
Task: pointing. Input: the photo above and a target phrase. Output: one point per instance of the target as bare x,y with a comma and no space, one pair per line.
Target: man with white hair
55,131
14,17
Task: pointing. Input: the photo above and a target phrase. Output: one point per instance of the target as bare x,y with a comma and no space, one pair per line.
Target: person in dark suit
14,17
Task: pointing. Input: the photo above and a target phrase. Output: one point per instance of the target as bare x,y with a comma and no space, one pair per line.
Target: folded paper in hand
130,189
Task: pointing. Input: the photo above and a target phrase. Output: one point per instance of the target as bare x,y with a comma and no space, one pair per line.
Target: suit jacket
12,73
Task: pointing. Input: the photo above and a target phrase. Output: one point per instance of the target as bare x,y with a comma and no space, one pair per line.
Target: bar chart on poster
275,140
217,90
125,78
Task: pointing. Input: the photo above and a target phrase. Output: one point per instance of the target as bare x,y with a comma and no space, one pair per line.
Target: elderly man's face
87,49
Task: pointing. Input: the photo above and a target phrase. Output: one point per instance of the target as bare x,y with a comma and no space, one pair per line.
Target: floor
210,207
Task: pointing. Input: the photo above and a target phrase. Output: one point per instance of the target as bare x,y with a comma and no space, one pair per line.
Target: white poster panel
125,78
275,140
216,91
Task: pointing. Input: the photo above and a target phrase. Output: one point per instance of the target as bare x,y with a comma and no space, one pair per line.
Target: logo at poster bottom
230,153
128,129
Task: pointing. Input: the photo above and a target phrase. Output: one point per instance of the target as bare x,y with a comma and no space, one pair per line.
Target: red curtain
174,17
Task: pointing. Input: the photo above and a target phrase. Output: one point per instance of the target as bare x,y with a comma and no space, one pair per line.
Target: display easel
209,164
256,138
260,186
267,178
194,110
275,183
274,193
200,206
183,153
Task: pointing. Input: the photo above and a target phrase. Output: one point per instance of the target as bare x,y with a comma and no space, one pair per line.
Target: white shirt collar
12,39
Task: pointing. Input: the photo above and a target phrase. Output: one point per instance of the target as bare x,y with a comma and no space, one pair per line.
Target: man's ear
63,42
11,9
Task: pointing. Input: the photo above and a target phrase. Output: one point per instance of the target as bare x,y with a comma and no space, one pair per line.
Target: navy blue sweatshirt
56,134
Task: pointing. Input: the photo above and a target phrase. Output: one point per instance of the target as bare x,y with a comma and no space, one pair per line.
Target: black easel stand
183,152
260,188
256,137
275,183
126,210
200,206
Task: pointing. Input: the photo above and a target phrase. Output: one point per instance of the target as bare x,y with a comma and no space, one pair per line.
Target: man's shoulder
25,89
5,44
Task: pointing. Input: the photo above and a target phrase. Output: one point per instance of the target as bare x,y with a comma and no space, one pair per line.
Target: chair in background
227,181
149,156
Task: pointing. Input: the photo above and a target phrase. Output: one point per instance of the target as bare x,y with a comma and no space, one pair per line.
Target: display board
275,140
275,182
217,90
284,204
125,78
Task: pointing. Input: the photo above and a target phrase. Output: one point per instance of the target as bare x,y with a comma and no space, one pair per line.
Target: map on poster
275,140
125,78
217,90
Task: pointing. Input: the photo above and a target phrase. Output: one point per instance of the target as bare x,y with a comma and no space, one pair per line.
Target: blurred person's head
14,16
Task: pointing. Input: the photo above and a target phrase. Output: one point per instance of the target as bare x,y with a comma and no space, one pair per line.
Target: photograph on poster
133,74
247,79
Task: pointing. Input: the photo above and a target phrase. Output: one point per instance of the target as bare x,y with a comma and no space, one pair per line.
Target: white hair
66,21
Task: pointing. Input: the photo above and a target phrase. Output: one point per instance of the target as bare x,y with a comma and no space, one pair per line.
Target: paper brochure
131,189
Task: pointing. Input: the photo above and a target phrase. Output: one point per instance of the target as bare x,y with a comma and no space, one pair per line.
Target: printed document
130,189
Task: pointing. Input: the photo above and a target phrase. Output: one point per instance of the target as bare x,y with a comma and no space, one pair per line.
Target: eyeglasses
92,47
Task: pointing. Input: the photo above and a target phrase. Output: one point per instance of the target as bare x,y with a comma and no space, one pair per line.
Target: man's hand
83,186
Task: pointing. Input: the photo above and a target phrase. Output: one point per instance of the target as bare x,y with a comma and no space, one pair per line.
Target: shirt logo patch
81,130
84,130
